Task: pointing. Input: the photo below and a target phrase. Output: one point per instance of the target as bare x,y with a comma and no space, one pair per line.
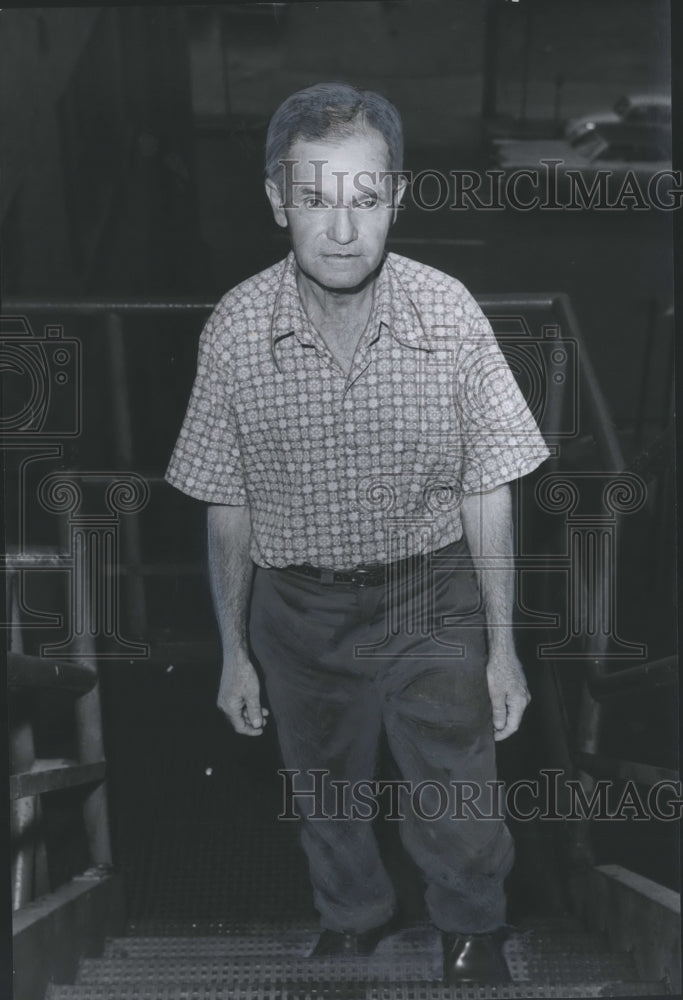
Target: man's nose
342,228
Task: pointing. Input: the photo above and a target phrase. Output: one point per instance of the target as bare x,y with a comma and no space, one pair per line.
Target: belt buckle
360,577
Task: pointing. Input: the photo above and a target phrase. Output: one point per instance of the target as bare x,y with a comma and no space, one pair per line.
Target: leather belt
361,576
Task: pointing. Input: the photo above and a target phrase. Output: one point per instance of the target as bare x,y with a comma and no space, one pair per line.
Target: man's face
337,206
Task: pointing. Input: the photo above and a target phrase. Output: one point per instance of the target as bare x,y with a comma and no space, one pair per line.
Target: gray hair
331,111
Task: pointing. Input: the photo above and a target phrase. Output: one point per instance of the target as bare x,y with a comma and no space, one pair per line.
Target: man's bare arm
487,522
231,570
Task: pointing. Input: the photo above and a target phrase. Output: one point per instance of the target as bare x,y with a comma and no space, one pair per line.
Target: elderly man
353,427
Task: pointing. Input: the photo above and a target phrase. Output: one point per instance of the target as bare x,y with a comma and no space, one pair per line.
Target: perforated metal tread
238,969
522,945
350,991
389,967
151,927
552,958
549,928
410,955
280,942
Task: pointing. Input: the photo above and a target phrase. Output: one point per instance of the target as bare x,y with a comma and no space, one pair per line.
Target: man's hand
487,522
239,698
508,691
231,572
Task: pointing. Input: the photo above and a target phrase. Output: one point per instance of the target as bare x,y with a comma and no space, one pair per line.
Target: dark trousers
339,663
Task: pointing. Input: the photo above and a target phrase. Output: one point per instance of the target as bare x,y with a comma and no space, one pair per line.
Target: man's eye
367,201
313,202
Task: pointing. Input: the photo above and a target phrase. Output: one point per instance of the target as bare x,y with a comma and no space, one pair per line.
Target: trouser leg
328,717
448,762
437,715
337,664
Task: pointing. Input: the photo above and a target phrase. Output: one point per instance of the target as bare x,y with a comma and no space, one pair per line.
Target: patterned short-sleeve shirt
345,470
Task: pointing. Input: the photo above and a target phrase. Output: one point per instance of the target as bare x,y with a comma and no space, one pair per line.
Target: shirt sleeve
501,440
206,462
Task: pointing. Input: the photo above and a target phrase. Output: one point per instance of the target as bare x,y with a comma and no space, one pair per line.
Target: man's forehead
362,150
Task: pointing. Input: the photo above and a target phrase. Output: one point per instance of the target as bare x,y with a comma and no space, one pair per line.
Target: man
353,426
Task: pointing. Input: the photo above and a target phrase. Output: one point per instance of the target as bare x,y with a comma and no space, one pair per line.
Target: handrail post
589,727
88,713
29,863
24,818
130,535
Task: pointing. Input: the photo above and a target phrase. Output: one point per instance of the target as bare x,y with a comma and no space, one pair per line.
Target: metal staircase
178,782
550,958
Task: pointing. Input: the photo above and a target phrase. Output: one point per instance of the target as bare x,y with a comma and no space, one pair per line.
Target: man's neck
329,309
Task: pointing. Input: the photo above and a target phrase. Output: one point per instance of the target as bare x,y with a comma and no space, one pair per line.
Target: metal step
384,970
536,954
349,991
549,958
280,943
548,928
299,942
238,969
393,961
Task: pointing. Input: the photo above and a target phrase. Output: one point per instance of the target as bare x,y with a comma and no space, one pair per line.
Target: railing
579,749
576,751
32,777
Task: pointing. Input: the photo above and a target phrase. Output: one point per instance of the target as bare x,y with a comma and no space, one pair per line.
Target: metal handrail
94,305
625,770
605,434
657,673
55,776
599,684
558,302
25,671
32,777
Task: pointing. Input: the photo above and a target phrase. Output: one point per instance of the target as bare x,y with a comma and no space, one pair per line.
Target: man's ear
275,198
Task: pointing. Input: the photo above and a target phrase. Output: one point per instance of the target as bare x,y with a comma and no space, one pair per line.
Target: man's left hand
508,691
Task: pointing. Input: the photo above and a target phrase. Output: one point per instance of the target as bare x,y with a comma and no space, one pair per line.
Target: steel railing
581,748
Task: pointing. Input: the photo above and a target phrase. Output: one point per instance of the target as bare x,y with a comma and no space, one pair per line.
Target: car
618,152
631,109
610,141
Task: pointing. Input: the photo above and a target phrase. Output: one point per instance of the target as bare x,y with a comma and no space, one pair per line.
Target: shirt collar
289,317
395,309
392,308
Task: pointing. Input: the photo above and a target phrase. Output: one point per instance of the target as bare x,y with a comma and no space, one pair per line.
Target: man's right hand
239,698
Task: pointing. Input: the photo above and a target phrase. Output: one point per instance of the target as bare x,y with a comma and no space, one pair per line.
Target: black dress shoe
474,958
350,942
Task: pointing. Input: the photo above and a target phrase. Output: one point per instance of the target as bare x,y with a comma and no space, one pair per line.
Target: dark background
132,169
